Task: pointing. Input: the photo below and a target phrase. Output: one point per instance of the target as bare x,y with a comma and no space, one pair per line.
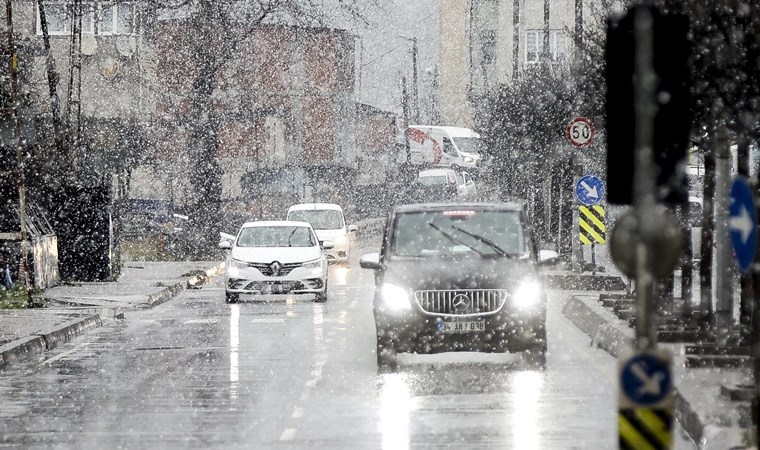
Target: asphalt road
290,373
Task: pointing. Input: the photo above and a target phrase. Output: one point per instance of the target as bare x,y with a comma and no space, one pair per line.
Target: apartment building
484,43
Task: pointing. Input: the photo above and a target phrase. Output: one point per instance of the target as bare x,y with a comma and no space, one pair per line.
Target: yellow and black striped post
645,400
592,228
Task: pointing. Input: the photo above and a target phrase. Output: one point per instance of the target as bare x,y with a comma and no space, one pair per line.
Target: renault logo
275,266
461,302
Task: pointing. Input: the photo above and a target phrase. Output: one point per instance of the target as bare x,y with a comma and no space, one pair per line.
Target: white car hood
282,254
330,235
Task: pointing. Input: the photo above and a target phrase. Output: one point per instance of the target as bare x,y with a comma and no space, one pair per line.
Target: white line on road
65,354
288,434
297,412
267,320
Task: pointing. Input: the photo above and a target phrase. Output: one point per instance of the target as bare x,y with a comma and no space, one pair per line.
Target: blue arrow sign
645,379
742,223
589,190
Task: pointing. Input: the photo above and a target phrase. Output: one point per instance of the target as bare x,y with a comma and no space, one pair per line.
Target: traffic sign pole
645,398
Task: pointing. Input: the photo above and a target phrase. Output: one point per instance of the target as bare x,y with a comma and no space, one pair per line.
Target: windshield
276,236
457,233
468,144
433,180
319,219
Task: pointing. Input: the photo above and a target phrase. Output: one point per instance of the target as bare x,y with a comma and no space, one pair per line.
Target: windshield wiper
453,239
484,240
291,236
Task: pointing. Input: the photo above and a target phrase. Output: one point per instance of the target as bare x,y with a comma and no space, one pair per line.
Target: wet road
289,373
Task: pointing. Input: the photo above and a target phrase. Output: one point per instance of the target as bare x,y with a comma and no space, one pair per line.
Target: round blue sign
589,190
742,220
645,379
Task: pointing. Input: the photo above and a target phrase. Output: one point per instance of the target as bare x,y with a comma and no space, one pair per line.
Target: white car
330,225
275,257
465,186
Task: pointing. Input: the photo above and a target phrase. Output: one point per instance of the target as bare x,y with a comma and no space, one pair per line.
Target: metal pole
415,87
724,302
644,202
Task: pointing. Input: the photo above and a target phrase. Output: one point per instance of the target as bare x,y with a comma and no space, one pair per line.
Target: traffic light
672,121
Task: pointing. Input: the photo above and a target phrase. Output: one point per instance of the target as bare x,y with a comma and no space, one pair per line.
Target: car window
448,147
453,233
276,236
433,180
460,178
319,219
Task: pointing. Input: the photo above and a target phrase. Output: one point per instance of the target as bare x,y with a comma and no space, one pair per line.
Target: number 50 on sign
580,132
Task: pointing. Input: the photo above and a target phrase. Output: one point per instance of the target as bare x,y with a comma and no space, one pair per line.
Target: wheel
230,297
386,355
321,298
535,357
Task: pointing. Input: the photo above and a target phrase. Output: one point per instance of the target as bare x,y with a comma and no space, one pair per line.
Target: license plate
462,327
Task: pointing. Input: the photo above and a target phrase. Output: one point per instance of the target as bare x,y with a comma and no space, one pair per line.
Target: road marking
65,354
288,434
208,321
297,412
268,320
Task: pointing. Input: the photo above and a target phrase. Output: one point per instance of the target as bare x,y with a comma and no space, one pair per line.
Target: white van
328,222
443,146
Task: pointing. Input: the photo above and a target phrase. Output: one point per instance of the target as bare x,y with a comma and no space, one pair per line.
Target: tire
535,357
230,297
321,298
386,356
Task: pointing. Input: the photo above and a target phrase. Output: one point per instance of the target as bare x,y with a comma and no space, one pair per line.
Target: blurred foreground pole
724,305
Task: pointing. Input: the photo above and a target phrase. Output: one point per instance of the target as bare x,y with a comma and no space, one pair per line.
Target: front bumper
307,286
298,281
504,331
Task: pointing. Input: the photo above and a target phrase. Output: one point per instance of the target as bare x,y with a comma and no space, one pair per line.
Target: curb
606,336
38,343
194,282
41,342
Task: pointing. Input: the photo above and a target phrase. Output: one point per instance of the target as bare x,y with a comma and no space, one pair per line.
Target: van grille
461,302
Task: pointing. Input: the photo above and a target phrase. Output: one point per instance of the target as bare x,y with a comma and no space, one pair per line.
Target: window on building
112,18
532,49
117,18
534,41
488,46
60,16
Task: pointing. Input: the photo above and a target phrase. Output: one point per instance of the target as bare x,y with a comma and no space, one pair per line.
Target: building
490,42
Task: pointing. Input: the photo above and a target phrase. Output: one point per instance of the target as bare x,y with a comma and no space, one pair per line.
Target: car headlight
316,264
395,297
340,241
234,267
528,294
469,159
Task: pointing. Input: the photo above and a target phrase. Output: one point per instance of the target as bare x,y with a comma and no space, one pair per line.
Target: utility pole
415,78
23,272
724,304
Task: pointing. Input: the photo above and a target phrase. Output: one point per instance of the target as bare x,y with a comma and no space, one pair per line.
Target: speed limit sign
580,132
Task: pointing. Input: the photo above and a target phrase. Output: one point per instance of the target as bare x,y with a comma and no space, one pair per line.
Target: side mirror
227,237
548,257
352,228
225,245
327,245
370,261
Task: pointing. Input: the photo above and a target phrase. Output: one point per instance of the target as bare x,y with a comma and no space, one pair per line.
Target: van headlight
340,241
234,267
528,294
395,297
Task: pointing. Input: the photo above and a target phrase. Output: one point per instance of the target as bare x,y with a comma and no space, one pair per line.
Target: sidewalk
74,309
711,419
